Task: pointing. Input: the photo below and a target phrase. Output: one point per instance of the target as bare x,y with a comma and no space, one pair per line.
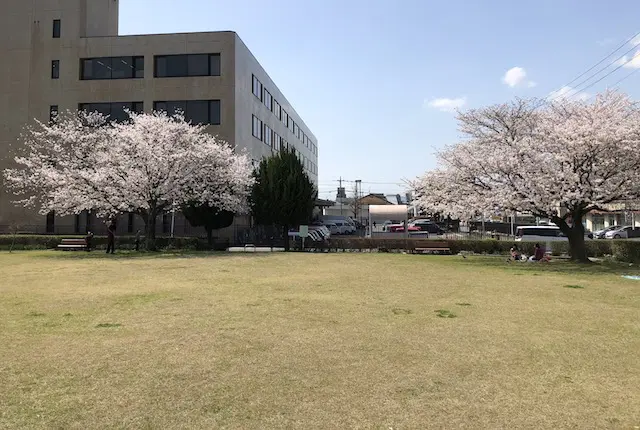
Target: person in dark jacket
111,238
88,239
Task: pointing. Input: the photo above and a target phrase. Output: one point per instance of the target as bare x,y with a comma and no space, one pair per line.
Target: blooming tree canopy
556,160
147,165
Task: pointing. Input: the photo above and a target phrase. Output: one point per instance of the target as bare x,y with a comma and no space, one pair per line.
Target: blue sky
366,76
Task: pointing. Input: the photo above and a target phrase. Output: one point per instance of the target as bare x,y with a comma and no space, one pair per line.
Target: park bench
73,245
439,247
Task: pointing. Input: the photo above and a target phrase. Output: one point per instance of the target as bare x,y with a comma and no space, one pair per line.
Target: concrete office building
60,55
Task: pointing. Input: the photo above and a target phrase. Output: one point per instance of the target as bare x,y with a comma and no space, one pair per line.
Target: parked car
428,226
627,232
600,234
343,227
543,233
333,228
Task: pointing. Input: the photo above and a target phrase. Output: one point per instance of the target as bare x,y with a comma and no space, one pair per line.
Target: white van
542,233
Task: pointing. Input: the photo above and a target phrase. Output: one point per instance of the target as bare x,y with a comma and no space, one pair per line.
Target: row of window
263,132
165,66
195,111
272,104
112,68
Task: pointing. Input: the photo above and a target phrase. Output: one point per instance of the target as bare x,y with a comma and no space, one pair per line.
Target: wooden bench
73,245
439,247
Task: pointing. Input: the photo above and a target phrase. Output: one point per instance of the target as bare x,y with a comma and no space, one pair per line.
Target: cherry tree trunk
150,230
577,246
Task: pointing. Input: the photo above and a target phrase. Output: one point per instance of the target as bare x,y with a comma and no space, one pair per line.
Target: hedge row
33,242
622,250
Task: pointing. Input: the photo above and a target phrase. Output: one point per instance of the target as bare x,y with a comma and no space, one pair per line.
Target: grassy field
325,341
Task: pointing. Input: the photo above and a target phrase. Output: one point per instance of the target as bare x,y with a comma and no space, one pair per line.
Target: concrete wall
248,105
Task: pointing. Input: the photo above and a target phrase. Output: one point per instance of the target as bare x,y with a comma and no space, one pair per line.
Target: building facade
65,55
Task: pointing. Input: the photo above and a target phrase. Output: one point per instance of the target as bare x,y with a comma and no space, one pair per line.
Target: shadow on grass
141,255
555,266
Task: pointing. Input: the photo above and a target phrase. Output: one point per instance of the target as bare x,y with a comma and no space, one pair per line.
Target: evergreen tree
207,216
283,195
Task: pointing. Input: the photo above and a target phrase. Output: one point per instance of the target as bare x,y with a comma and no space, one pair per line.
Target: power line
627,76
614,70
577,88
601,61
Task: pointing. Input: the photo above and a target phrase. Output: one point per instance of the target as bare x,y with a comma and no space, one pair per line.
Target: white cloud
608,41
516,76
568,92
630,62
447,105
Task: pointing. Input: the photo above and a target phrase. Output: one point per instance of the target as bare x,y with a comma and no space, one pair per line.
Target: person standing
138,240
88,239
111,238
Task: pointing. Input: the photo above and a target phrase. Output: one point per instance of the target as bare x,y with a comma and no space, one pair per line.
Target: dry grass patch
314,342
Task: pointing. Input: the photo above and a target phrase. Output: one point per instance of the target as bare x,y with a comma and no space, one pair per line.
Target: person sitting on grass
515,253
538,254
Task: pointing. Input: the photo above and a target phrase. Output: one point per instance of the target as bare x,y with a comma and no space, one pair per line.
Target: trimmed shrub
33,242
626,250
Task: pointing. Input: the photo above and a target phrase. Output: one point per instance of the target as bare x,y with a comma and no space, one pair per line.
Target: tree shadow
143,255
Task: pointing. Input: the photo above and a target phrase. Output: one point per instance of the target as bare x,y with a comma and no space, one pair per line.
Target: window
283,144
257,88
51,222
174,66
115,111
268,100
276,141
53,113
55,69
285,117
130,223
166,223
112,68
257,128
303,138
296,130
268,135
194,111
276,108
291,124
56,29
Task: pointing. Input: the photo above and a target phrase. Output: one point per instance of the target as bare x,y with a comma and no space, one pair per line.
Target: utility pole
357,196
339,196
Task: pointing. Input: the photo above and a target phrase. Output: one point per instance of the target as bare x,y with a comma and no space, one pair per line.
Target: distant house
619,213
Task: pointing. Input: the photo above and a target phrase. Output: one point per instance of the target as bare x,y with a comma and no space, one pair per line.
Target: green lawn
315,341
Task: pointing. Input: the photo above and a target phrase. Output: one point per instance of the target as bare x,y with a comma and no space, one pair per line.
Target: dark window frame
277,109
136,106
268,99
57,29
255,121
136,60
190,104
268,135
213,68
55,69
256,87
50,227
53,113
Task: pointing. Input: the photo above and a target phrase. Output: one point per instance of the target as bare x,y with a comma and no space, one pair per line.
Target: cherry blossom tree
147,166
556,160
